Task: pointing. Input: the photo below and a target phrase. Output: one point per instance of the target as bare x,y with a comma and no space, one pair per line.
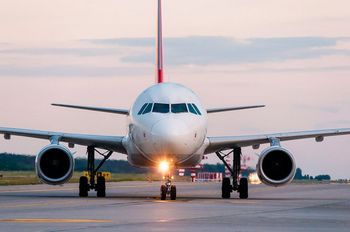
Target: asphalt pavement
135,206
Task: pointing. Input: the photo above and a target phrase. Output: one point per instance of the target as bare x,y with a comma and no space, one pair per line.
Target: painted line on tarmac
66,189
37,190
41,204
53,220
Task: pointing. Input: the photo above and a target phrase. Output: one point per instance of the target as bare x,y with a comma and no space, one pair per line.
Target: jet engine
276,166
54,164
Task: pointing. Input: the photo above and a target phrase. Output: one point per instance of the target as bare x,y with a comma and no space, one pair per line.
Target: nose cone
172,136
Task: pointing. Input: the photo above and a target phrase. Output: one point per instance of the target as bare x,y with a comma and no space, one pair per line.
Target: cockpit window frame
191,109
142,108
148,109
196,108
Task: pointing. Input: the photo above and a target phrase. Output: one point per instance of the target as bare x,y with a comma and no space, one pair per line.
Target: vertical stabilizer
159,72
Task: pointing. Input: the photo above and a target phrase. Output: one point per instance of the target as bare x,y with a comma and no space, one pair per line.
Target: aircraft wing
113,143
100,109
227,142
223,109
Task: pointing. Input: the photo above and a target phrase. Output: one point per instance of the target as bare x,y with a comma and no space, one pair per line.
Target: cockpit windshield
166,108
161,108
178,108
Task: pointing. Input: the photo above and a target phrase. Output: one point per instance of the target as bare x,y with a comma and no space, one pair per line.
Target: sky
292,56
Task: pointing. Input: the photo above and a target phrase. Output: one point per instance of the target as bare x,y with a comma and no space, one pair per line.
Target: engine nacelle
54,164
276,166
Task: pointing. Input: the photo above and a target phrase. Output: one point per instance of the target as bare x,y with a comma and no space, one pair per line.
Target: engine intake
276,166
54,164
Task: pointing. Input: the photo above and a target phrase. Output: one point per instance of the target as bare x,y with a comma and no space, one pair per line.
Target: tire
243,188
163,191
226,188
173,192
101,186
83,186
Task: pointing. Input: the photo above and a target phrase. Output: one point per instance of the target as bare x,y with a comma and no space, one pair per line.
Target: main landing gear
239,185
87,184
168,189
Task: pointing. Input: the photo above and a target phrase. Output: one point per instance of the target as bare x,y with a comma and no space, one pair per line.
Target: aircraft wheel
226,188
243,188
101,186
173,192
163,191
83,186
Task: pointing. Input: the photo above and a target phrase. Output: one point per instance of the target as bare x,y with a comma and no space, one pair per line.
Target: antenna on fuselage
159,60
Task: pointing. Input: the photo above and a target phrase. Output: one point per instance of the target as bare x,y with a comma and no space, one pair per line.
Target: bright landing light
164,166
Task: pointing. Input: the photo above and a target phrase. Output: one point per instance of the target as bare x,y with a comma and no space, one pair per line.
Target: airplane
167,128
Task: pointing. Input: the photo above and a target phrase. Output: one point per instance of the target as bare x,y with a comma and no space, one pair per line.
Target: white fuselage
166,122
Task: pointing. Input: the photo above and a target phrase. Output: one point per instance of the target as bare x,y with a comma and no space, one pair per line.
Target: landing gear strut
168,189
239,185
85,184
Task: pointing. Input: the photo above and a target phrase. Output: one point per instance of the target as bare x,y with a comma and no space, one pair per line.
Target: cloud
41,51
110,57
334,109
70,71
205,50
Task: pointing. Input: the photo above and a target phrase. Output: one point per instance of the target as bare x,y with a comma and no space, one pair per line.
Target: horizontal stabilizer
216,110
100,109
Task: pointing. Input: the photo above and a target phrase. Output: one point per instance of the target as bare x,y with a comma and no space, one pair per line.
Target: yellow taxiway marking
38,190
20,205
66,189
53,220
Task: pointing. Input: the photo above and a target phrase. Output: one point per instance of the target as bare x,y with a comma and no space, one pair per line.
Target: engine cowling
276,166
54,164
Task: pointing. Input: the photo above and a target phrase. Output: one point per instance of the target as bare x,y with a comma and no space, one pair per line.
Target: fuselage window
191,109
196,108
161,108
148,108
142,108
178,108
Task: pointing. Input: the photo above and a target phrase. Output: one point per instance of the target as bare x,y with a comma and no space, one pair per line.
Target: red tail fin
159,61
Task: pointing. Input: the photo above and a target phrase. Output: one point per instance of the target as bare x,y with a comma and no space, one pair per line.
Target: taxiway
135,206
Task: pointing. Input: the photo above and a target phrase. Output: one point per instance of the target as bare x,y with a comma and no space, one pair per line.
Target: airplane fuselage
166,122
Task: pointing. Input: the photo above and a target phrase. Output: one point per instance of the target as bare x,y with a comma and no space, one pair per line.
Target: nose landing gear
168,189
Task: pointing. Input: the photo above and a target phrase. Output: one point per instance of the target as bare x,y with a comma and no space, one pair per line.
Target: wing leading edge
227,142
113,143
100,109
223,109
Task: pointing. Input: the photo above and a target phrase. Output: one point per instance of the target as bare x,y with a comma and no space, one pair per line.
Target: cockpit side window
196,108
178,108
161,108
142,108
148,108
191,109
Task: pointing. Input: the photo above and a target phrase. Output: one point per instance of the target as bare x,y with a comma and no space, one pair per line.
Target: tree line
15,162
299,176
